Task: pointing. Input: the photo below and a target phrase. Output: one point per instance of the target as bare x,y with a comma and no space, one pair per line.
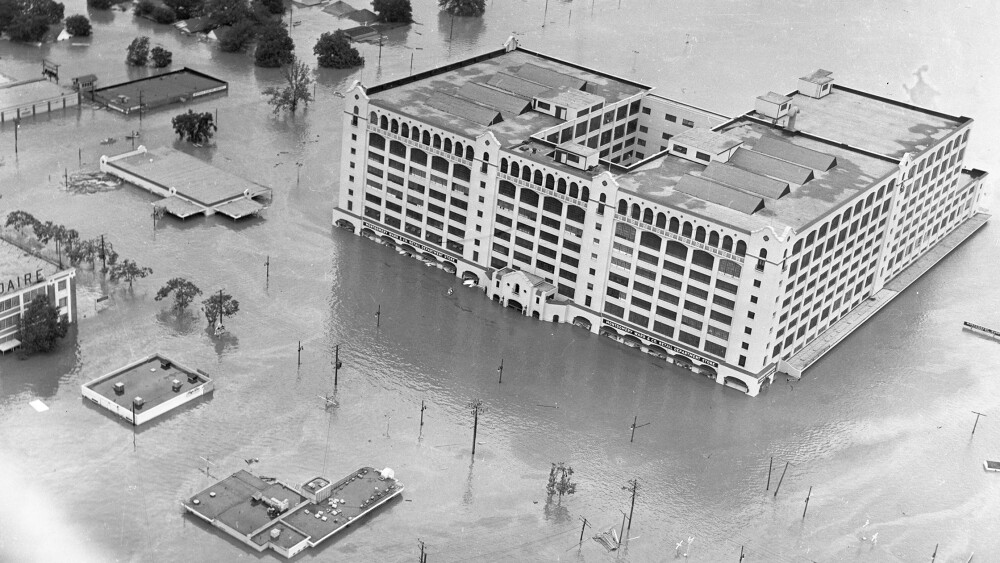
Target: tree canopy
334,50
274,47
183,290
161,57
40,327
392,11
211,306
463,7
296,90
185,9
29,20
227,12
129,271
78,26
137,53
237,37
195,127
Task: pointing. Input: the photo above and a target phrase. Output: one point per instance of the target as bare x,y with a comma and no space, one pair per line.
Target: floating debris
92,182
109,141
38,406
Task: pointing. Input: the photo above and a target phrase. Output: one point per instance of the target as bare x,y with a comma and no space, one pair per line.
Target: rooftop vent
175,385
138,402
772,105
119,388
817,84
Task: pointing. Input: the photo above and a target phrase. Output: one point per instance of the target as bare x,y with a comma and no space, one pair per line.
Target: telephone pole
500,371
633,487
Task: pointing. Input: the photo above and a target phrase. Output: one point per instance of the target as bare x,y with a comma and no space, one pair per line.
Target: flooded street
880,428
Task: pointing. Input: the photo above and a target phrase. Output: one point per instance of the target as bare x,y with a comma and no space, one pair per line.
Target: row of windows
685,229
413,133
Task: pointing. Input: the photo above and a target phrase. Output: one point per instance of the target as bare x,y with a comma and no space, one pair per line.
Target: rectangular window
694,307
667,313
724,319
641,303
612,309
638,319
689,339
715,349
663,329
693,323
727,303
718,332
687,123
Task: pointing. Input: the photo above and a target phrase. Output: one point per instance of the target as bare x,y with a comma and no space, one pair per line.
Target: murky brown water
880,428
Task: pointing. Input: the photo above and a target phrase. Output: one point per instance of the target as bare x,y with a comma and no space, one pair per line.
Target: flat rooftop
14,263
192,177
15,94
411,98
147,380
872,123
803,204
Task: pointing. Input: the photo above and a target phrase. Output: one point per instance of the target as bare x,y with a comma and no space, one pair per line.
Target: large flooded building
735,247
23,277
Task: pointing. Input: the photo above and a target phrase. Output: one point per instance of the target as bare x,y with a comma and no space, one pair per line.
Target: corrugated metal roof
494,98
179,207
464,109
769,166
516,85
707,140
745,180
239,207
570,98
549,77
795,154
719,194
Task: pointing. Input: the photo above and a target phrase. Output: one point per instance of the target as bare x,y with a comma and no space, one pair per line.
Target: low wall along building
23,277
734,247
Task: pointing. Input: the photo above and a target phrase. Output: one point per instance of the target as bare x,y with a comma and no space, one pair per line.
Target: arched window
847,215
727,243
437,141
868,200
677,250
797,247
686,230
425,138
699,234
650,240
763,254
622,207
503,165
675,225
415,134
526,173
561,185
822,231
835,223
636,211
741,248
661,220
383,122
575,213
647,216
552,205
602,199
881,192
537,180
857,208
394,126
811,238
373,118
447,145
585,196
713,239
459,150
529,197
550,181
470,154
515,169
573,190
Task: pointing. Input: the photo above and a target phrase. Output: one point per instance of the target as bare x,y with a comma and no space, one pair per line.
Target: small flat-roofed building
26,98
25,276
147,388
733,247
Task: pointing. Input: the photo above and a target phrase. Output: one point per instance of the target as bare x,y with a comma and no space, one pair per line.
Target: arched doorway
555,318
631,341
657,351
535,315
368,233
582,322
389,242
469,276
449,267
513,304
609,332
709,372
345,224
736,383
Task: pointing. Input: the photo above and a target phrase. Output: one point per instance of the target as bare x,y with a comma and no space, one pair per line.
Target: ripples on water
880,427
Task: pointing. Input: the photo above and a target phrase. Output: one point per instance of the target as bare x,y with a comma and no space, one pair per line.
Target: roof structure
570,97
499,100
770,166
550,77
465,109
15,263
720,194
819,76
795,154
774,98
179,207
578,149
239,208
363,15
516,85
872,123
706,140
339,8
746,180
14,94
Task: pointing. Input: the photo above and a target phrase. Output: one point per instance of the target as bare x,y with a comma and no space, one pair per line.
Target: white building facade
722,245
24,277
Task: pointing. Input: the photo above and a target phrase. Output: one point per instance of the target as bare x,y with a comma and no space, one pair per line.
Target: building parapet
679,238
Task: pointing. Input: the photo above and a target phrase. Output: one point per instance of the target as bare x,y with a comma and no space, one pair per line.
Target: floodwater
880,428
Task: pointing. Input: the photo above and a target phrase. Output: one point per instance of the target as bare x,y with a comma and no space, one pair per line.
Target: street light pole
17,125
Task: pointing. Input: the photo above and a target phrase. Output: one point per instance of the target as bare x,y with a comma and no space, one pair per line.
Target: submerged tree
334,50
78,25
274,47
463,7
18,220
197,127
183,290
212,305
40,326
297,81
391,11
161,57
560,480
129,271
137,53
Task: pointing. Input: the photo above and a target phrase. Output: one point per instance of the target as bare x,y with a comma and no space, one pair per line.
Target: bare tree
297,79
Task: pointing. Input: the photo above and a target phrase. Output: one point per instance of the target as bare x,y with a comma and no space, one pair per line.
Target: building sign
209,91
661,343
21,282
980,328
412,243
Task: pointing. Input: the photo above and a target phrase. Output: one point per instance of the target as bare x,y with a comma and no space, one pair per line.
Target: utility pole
633,487
423,555
934,555
500,371
583,528
104,255
633,427
452,32
978,414
741,554
477,408
381,37
621,535
545,14
17,125
300,352
267,271
378,316
807,502
769,465
423,407
782,478
140,109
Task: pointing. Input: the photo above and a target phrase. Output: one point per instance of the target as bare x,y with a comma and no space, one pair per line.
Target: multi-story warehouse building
733,247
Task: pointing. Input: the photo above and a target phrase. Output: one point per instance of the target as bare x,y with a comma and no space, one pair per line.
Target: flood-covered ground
880,428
